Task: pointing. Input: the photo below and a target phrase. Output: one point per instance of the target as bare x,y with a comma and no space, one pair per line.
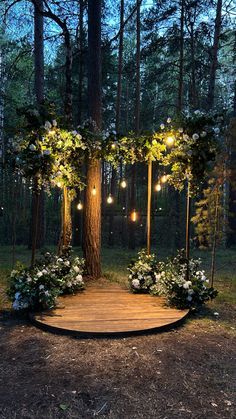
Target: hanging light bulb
109,199
80,206
94,191
170,141
158,187
164,178
134,216
123,184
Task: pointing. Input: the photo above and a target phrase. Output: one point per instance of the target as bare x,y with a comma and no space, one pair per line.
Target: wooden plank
109,309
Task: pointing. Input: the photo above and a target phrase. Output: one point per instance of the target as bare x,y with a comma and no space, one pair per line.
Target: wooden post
187,237
213,254
149,206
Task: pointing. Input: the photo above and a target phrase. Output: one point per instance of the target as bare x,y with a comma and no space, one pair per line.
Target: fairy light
94,191
109,199
80,206
158,187
134,216
164,178
170,141
113,146
123,184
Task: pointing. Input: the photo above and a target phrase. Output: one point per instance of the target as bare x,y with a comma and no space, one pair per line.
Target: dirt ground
189,372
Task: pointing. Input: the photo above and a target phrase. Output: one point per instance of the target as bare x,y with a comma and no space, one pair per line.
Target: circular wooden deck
109,310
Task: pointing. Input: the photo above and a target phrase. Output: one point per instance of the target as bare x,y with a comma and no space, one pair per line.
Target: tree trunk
232,188
81,45
132,224
92,209
214,56
68,76
120,67
181,60
66,223
38,200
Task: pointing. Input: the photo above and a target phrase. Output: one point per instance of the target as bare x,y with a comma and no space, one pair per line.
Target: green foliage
38,287
170,279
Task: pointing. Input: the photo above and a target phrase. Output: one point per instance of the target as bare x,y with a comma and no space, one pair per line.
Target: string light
164,178
113,146
170,141
109,199
123,184
94,191
134,216
80,206
158,187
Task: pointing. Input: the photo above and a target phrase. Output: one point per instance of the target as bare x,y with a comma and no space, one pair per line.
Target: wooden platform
109,310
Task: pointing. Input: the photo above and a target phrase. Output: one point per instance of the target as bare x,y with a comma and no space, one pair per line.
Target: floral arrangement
143,272
38,287
183,283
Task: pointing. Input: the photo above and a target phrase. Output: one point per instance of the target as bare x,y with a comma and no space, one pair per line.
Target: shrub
143,272
38,287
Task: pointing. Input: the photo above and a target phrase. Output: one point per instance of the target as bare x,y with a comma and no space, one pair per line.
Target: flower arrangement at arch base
38,287
170,279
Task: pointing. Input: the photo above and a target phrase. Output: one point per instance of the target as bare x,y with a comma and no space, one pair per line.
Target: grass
116,260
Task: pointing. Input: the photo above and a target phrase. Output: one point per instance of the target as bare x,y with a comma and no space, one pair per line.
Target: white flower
189,298
32,147
16,305
44,272
67,263
76,269
162,126
195,136
59,260
216,130
135,283
47,125
74,132
181,130
168,120
41,287
203,134
54,122
46,293
79,278
17,295
39,274
47,152
197,112
216,314
185,137
158,276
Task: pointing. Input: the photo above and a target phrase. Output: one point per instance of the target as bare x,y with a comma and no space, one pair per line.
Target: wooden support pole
187,237
149,206
213,254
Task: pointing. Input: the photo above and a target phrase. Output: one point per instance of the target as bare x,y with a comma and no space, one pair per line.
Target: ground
188,372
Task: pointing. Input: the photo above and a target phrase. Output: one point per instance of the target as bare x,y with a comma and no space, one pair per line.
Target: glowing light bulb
94,191
113,146
123,184
170,141
109,199
80,206
158,187
134,216
164,179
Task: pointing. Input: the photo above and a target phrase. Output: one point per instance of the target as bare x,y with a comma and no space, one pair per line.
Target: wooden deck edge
88,335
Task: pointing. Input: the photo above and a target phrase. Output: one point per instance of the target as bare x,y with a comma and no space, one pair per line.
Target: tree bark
81,44
66,222
92,208
181,59
214,56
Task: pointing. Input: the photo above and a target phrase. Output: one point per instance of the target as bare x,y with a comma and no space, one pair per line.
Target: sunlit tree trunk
92,208
66,222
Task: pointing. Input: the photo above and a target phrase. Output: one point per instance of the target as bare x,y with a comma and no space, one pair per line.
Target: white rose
162,126
181,130
135,283
79,278
186,285
39,274
168,120
41,287
76,269
47,125
217,130
54,123
47,152
32,147
203,134
195,136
